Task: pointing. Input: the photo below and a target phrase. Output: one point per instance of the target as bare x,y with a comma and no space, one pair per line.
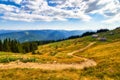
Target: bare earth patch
55,66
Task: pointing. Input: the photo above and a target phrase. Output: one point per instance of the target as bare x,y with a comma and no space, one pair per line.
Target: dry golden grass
62,48
106,54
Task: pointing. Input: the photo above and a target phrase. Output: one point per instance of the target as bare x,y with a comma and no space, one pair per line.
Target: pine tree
1,45
6,46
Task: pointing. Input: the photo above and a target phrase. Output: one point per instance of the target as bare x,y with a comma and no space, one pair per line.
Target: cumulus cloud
51,10
116,18
17,1
6,8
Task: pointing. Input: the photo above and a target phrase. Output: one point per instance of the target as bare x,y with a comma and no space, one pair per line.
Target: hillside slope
105,53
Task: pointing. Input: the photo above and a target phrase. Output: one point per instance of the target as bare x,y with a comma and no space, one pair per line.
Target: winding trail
54,66
80,50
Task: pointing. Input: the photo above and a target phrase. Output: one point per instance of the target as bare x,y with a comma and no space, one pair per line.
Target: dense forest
15,46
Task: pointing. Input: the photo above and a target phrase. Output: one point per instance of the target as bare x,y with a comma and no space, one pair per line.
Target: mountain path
80,50
54,66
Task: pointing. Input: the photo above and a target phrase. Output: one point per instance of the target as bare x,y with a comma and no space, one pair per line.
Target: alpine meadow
59,40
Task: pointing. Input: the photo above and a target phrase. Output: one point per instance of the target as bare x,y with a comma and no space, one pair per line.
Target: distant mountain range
36,35
7,31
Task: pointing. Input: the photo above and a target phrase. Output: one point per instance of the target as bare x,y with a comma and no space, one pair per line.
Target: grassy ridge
62,48
107,55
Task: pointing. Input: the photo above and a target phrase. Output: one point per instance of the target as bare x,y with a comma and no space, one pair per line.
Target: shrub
53,53
28,60
7,59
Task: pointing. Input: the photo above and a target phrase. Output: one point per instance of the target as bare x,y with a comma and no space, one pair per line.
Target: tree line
89,33
8,45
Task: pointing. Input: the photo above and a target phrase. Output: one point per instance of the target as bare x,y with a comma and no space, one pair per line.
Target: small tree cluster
87,34
102,30
15,46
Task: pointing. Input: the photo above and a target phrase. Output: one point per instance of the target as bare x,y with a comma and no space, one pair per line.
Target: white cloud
39,10
116,18
17,1
5,8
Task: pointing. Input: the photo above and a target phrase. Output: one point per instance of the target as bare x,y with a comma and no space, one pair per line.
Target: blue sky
59,14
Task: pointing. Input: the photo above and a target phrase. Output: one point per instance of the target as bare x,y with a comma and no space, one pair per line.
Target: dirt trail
55,66
80,50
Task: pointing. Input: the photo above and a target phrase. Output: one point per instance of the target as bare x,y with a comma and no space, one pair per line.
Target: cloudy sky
59,14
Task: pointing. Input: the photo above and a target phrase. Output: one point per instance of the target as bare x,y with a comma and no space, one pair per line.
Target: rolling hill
36,35
75,52
105,53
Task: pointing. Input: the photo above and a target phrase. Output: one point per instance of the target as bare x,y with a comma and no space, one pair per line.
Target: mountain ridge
36,35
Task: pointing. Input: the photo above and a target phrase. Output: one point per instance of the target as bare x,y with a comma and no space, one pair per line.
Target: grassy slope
106,54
